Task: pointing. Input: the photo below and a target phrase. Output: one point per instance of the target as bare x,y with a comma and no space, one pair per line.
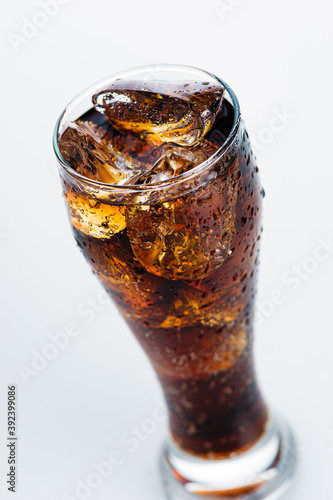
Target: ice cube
93,218
209,305
132,153
148,228
89,150
181,113
83,149
188,238
208,354
175,161
223,351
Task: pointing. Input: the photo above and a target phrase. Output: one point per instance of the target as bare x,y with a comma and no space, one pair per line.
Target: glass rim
146,188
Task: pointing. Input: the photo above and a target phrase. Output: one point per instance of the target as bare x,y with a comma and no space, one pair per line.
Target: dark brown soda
197,331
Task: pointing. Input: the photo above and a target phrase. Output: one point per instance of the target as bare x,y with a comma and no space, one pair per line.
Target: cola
167,213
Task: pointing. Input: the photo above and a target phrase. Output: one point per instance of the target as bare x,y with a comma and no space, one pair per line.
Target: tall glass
180,261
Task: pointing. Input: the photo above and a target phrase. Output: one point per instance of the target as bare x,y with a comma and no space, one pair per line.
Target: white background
276,55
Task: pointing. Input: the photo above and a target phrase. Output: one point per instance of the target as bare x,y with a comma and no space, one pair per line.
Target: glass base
263,472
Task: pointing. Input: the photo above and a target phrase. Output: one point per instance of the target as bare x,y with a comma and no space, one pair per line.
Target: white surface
73,413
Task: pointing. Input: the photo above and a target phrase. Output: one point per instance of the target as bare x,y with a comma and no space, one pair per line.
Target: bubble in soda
181,113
